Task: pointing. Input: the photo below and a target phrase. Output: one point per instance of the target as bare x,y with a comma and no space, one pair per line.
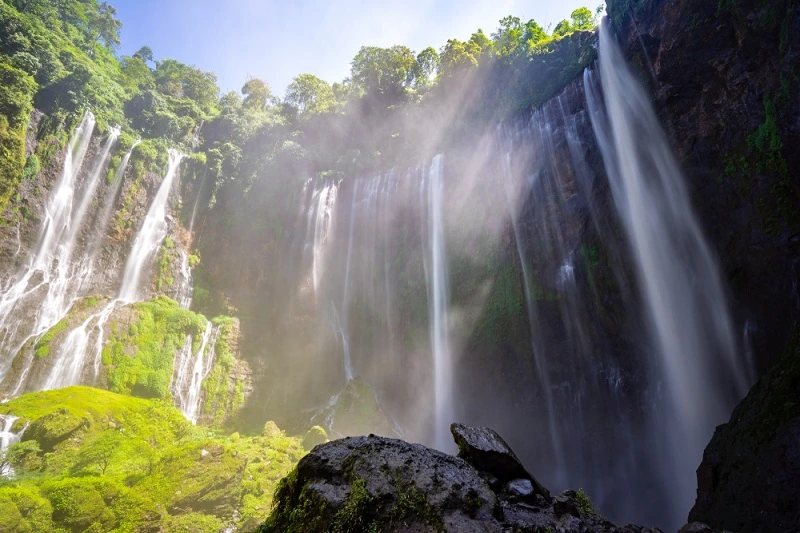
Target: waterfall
320,222
69,363
73,273
438,301
542,371
697,355
7,438
110,201
65,274
191,369
196,205
185,287
150,236
342,334
51,270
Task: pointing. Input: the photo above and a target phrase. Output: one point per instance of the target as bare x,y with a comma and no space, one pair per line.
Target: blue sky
277,40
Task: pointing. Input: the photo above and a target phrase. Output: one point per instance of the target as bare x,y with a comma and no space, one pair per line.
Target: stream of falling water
697,355
185,285
438,302
50,269
7,438
191,369
101,224
150,236
73,355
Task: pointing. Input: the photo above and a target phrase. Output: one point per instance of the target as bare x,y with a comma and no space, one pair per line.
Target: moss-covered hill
92,460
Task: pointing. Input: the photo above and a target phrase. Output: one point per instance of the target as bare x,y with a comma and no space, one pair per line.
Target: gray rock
520,488
380,484
485,450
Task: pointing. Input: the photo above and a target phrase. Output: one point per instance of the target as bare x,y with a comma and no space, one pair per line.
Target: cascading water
698,362
101,224
7,438
542,372
191,369
319,223
73,356
74,353
150,236
73,272
51,277
530,234
438,301
185,286
347,363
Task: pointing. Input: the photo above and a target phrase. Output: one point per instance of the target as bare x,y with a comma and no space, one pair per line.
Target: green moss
128,460
32,167
218,403
411,508
16,94
166,258
504,306
193,523
24,510
42,347
140,361
356,514
763,155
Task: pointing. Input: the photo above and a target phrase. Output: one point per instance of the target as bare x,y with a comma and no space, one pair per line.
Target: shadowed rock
380,484
485,450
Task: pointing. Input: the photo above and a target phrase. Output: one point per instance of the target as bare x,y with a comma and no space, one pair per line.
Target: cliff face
748,478
724,77
139,349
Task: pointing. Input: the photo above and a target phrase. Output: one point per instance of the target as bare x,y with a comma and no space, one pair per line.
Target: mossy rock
12,520
271,430
316,435
129,464
193,523
51,430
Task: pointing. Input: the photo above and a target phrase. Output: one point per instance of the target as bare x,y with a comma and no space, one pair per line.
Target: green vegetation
166,259
297,509
98,461
223,397
763,155
139,357
585,505
42,348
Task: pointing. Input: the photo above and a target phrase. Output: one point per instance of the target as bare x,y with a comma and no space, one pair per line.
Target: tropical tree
256,94
582,19
104,25
145,53
310,95
508,36
427,66
458,58
383,73
562,28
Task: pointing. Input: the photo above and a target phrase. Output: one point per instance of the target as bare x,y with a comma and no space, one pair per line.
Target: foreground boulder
380,484
486,451
748,480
